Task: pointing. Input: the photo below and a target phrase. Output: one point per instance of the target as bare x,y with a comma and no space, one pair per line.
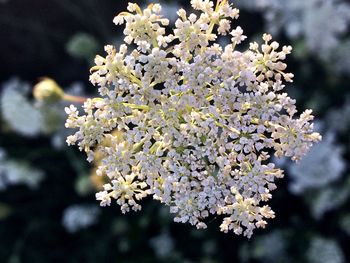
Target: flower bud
48,90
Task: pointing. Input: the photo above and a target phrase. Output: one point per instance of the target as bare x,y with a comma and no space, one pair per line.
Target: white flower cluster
77,217
190,122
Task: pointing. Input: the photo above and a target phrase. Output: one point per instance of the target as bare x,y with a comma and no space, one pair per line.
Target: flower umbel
190,122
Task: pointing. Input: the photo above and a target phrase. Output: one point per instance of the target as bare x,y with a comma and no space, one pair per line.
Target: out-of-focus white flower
17,111
2,155
323,165
271,248
43,116
309,20
77,217
15,172
323,250
162,245
338,120
340,57
345,223
328,199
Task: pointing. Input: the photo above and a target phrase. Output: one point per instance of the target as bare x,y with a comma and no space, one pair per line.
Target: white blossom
190,122
237,35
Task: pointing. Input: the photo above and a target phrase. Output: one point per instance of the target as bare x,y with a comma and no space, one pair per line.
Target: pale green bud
48,90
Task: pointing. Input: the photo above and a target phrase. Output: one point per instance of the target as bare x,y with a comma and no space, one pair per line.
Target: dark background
34,37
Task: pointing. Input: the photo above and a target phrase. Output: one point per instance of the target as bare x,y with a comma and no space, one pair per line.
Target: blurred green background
48,212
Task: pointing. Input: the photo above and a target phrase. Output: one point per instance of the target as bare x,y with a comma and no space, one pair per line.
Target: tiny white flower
237,35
